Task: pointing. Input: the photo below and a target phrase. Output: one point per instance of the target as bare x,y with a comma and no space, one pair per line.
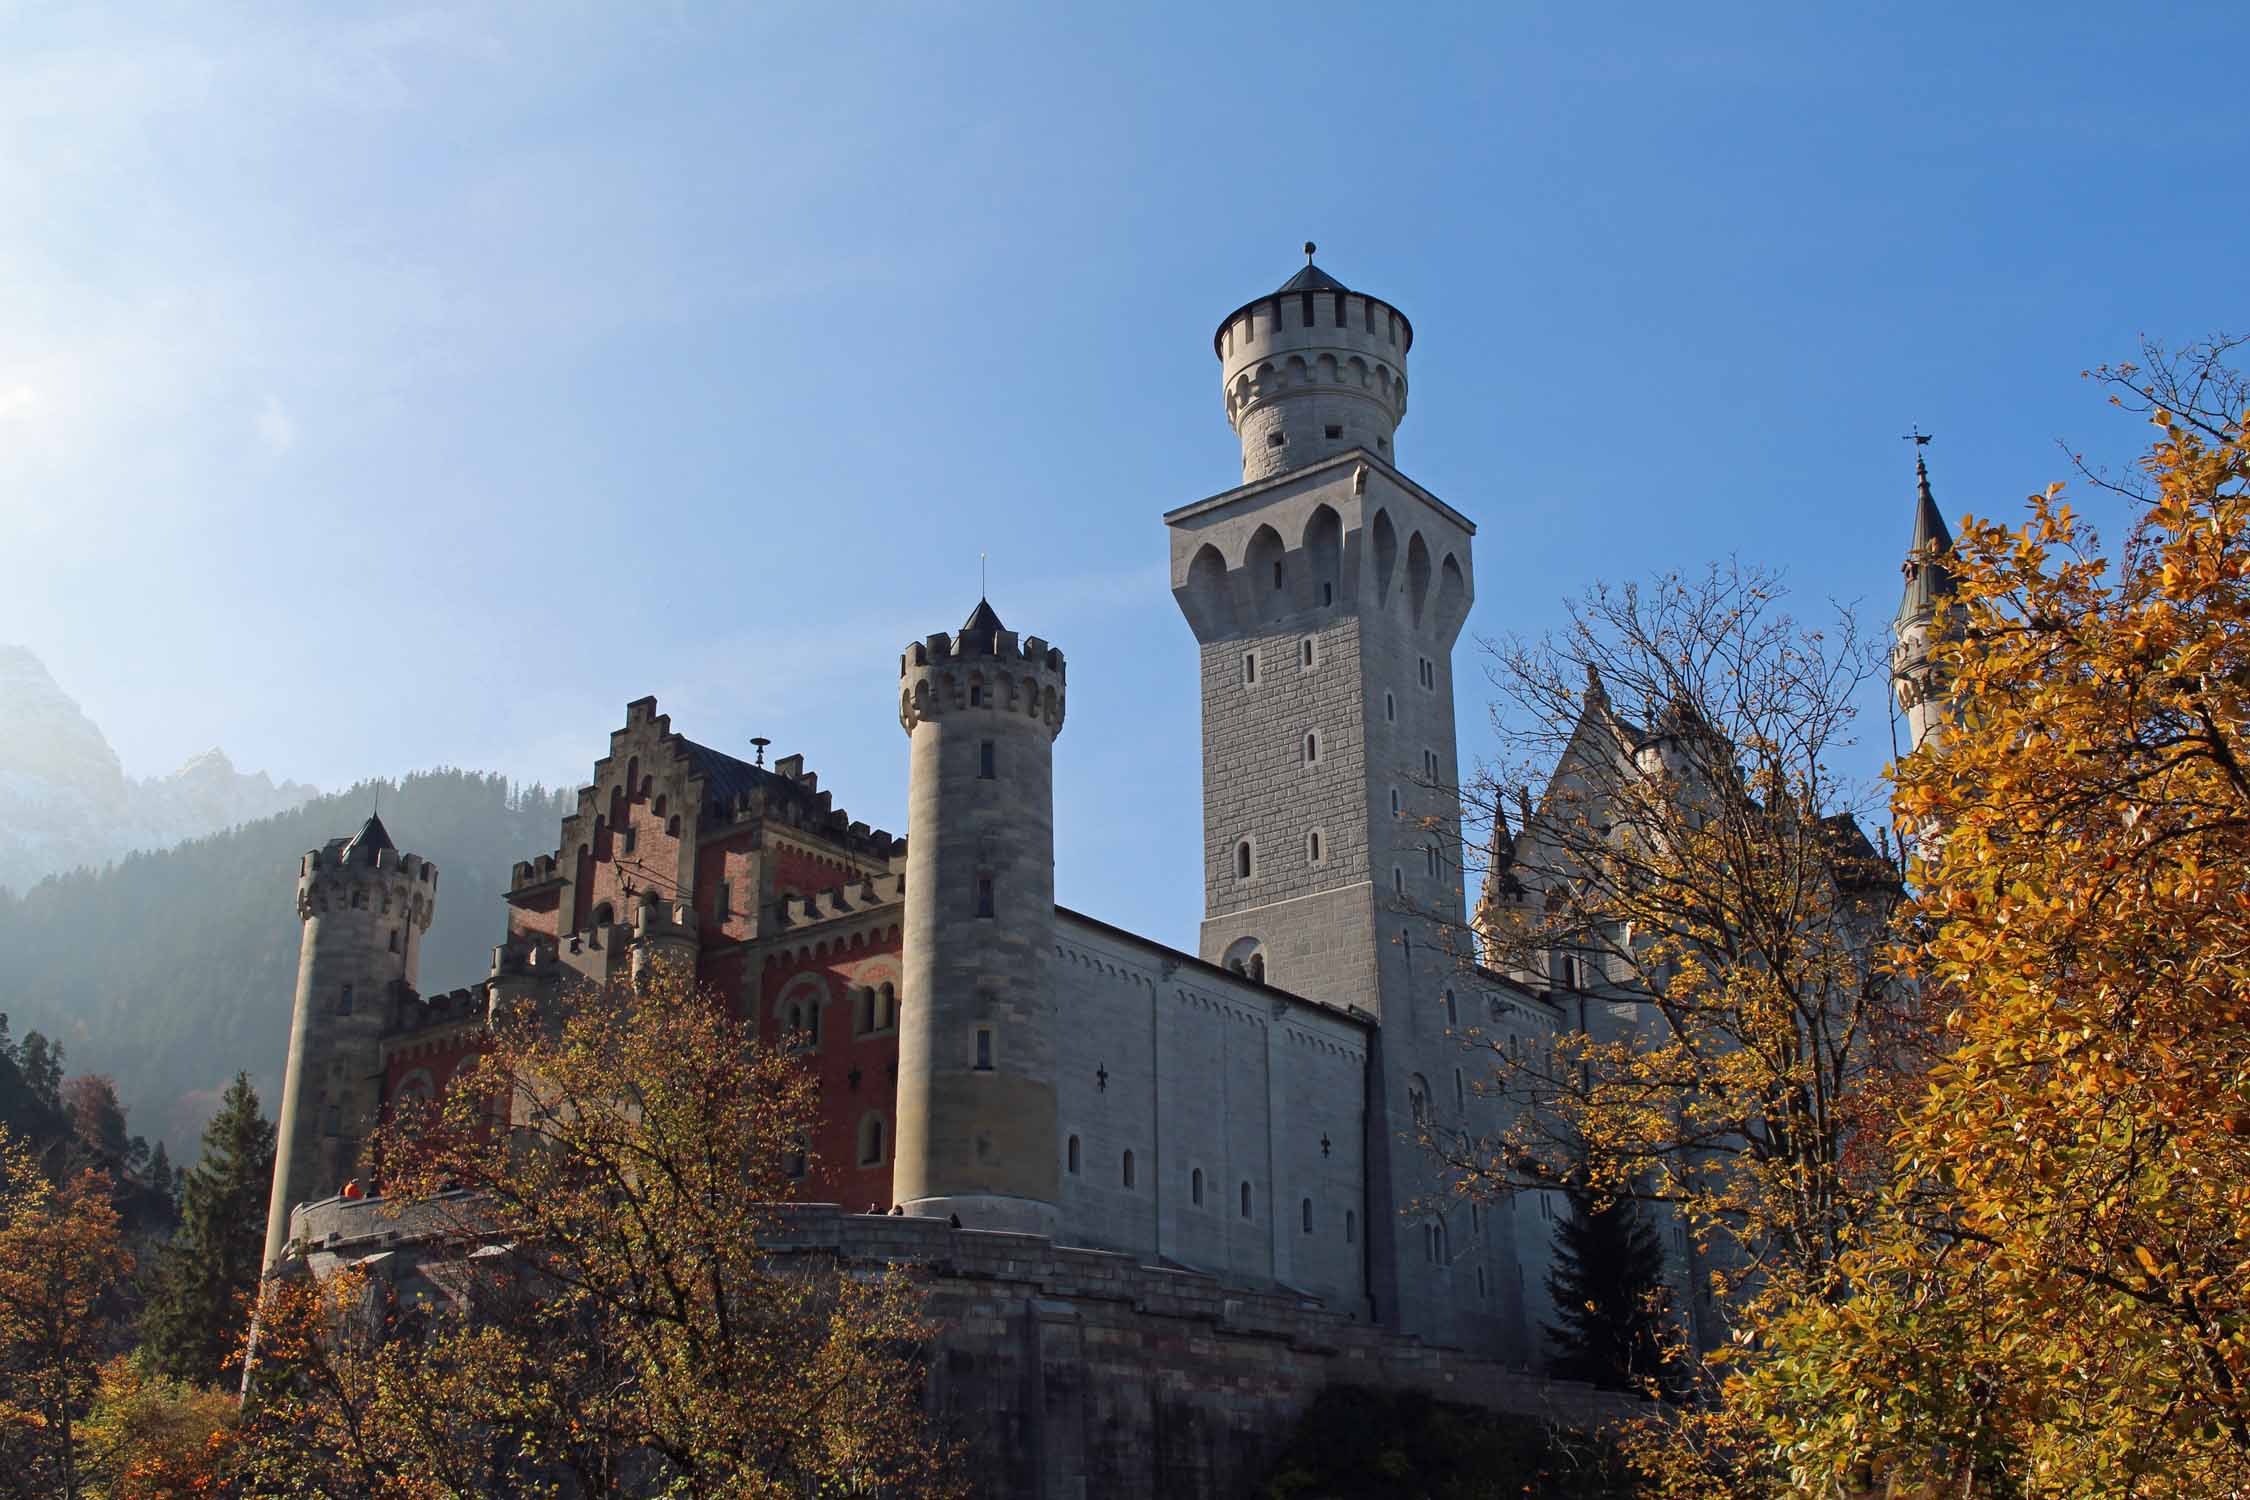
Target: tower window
1242,860
1246,1200
632,837
1276,438
1334,430
1073,1158
1312,747
1304,1215
1249,668
1351,1227
1277,573
1328,593
394,940
1307,654
1128,1169
1398,881
1312,846
1394,801
1195,1187
1452,1012
344,1002
1429,764
976,695
985,770
984,1049
871,1141
1430,860
1460,1093
1390,713
984,895
359,898
719,903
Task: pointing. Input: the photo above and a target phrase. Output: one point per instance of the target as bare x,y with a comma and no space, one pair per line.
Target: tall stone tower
364,907
1922,696
1327,591
976,1070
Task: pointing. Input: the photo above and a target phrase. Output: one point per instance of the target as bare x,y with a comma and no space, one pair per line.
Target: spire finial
1920,440
982,591
1310,247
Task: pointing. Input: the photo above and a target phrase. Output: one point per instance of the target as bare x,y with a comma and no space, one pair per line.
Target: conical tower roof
1928,579
372,837
983,619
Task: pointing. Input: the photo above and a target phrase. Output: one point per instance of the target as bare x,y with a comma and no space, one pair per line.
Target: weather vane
1917,437
1310,247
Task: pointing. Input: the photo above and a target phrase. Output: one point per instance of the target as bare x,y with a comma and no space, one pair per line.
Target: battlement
871,894
982,667
1310,370
418,1013
985,645
529,873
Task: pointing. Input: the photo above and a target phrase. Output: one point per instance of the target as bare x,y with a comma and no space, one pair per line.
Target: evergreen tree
160,1175
1608,1287
212,1265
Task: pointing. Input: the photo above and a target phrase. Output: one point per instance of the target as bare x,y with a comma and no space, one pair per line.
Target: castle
1247,1109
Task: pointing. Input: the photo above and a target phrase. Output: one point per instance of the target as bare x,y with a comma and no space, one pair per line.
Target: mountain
171,970
65,801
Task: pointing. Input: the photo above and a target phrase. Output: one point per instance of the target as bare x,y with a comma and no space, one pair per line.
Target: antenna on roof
761,742
982,591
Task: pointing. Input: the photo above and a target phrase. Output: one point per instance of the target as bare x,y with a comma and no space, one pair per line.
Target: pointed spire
1927,577
372,837
983,620
1596,694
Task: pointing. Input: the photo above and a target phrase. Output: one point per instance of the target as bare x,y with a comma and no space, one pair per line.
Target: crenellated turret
976,1076
1312,369
364,907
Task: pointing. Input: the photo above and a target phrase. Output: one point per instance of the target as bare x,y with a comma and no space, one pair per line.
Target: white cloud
277,434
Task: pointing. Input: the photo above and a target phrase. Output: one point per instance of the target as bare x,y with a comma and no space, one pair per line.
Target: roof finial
982,591
1310,247
1920,440
761,742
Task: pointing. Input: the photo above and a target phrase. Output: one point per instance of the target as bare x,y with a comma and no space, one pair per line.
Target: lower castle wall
1085,1374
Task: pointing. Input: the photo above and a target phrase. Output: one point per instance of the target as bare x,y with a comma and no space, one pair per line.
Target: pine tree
1608,1287
212,1264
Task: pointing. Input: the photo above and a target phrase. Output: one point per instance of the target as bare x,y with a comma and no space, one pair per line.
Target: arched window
1351,1227
1304,1210
1460,1093
886,1006
1418,1097
1128,1169
1073,1159
1312,846
605,915
1452,1011
1246,1200
1390,714
1242,860
871,1141
1394,801
1195,1187
1312,747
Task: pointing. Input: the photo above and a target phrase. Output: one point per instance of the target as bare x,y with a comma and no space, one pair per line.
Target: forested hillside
173,971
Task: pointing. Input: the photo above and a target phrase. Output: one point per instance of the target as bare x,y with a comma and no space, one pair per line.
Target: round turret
976,1135
364,907
1919,686
1310,370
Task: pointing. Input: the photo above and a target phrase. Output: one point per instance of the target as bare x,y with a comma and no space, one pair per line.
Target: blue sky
385,388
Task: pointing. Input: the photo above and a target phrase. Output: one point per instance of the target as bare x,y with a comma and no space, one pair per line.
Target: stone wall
1081,1374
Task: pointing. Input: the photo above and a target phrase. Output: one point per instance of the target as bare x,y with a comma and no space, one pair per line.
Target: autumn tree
207,1272
150,1437
1694,863
619,1168
61,1262
2061,1305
